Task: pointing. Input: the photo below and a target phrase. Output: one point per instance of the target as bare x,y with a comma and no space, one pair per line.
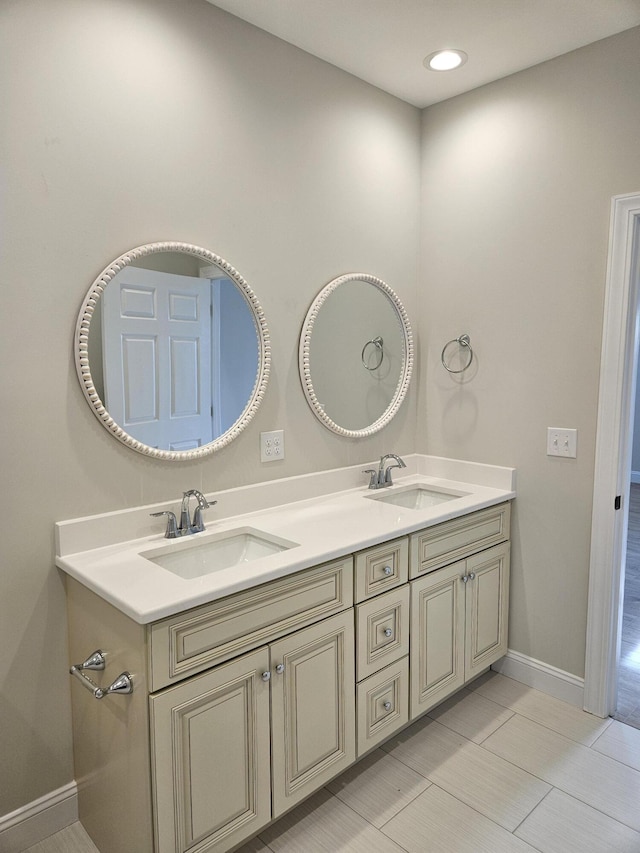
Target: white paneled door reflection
157,357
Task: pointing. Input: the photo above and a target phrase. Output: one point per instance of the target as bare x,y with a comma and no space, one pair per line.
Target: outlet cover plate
272,445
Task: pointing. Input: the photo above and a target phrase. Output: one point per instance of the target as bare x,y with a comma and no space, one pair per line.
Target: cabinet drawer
382,631
453,540
193,641
382,705
381,568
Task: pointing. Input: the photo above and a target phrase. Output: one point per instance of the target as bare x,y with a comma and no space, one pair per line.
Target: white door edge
613,456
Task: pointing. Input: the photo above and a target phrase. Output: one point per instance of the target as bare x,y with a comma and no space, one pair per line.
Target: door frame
613,456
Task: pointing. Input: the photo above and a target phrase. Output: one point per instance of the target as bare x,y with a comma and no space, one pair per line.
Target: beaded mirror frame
304,356
83,368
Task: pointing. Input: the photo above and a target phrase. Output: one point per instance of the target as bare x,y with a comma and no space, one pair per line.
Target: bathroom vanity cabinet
459,625
245,706
459,603
215,775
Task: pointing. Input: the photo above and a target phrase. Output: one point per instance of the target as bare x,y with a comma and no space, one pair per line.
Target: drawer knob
388,632
266,676
388,570
387,705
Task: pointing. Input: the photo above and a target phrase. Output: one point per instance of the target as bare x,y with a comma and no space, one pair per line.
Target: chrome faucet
196,525
187,524
381,478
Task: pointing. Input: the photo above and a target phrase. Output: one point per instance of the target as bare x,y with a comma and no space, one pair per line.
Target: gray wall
517,184
131,121
295,172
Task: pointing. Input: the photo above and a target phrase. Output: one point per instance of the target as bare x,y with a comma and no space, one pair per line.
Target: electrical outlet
272,445
562,442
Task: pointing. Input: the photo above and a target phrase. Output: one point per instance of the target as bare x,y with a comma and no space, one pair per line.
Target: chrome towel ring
462,341
378,343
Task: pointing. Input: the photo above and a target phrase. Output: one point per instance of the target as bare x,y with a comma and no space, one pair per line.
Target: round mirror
356,355
172,350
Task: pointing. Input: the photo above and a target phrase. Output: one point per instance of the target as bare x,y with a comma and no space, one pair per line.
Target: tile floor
499,768
629,674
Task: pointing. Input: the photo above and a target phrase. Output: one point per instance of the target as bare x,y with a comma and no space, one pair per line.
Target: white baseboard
549,679
38,820
635,476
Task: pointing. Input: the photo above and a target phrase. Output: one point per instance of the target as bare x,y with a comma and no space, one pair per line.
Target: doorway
628,696
613,458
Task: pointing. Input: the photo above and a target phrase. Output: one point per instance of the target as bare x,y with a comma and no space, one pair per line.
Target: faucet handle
172,525
198,522
373,479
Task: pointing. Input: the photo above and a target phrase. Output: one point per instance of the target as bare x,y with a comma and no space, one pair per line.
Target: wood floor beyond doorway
628,710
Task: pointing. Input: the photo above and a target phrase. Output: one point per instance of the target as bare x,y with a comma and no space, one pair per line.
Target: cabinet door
312,707
210,739
437,637
487,606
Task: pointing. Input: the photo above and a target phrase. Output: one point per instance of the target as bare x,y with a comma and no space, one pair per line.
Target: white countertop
325,527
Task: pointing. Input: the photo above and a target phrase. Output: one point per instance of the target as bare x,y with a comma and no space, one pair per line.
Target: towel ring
463,341
378,344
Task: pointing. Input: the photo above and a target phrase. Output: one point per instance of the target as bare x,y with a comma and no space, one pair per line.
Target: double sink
193,558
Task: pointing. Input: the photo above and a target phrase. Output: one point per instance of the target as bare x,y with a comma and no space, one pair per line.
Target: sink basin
416,497
192,557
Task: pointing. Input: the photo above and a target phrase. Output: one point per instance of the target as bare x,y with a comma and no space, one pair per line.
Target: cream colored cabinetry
211,757
437,637
382,642
198,639
244,741
312,709
381,568
454,540
245,706
459,619
382,705
240,709
211,735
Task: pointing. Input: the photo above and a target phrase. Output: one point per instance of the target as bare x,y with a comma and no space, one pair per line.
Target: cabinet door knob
388,632
472,575
464,578
266,676
387,705
388,570
280,668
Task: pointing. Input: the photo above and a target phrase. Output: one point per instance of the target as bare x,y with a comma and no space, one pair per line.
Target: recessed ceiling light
445,60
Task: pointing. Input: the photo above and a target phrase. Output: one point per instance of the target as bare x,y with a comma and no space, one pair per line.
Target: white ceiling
385,41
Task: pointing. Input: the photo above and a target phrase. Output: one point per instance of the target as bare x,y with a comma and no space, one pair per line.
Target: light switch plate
562,442
272,445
